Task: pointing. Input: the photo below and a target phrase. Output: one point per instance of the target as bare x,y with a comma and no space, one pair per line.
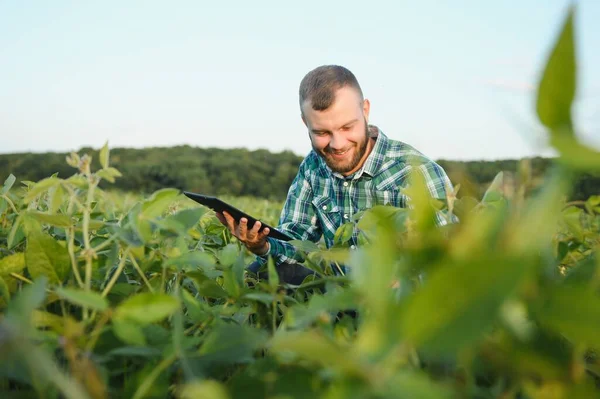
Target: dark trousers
289,273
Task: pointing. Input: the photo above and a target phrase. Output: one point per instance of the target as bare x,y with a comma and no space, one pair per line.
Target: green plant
108,296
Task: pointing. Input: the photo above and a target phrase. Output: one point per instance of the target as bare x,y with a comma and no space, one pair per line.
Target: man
352,166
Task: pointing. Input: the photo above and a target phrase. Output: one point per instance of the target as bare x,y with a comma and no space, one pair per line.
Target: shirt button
324,207
352,246
345,184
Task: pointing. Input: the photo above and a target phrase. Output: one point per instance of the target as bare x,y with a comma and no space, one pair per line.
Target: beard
345,166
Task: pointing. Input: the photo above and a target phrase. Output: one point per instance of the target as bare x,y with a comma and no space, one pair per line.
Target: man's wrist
267,250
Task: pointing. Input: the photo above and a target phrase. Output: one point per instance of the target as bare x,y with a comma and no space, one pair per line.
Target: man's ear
366,108
303,119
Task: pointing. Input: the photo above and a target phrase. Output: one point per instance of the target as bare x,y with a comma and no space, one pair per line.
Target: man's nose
337,142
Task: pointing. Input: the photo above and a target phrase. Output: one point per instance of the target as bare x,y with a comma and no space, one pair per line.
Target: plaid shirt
319,200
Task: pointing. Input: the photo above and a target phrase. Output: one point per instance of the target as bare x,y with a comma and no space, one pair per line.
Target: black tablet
218,205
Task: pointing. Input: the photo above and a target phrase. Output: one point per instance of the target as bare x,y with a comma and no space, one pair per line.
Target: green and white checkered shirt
319,200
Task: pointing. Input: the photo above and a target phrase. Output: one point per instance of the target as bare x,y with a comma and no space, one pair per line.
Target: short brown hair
320,84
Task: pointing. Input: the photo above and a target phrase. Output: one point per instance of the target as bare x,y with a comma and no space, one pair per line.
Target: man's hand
253,240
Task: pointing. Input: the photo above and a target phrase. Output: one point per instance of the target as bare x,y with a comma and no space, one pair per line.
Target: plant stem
95,334
86,239
19,277
140,272
71,248
10,203
105,243
274,326
149,380
86,235
115,276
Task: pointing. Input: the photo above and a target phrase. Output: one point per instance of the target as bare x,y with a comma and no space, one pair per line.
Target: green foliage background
117,295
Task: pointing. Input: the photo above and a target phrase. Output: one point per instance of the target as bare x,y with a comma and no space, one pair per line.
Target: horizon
456,83
81,151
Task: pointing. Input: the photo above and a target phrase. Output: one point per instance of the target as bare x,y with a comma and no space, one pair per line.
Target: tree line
242,172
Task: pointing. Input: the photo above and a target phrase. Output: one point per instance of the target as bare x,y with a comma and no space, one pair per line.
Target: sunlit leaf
87,299
460,302
556,90
104,154
44,256
58,220
147,308
8,183
129,332
40,187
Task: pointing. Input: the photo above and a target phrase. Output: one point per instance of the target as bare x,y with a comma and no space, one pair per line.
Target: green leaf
574,154
88,299
109,174
158,203
204,389
301,316
44,256
40,187
305,246
273,276
344,233
8,183
129,332
316,348
210,289
415,385
104,153
78,181
57,195
150,209
494,191
460,302
230,343
188,218
194,309
4,291
262,297
233,277
14,263
51,219
228,254
147,308
573,311
193,260
16,234
556,90
131,351
43,319
24,302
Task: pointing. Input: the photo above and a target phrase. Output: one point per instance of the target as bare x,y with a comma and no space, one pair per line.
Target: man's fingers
263,234
230,222
255,228
221,218
243,228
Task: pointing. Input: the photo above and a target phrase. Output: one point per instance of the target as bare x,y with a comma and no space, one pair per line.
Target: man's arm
298,219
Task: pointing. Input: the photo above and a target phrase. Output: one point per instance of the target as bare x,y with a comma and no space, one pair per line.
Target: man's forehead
344,108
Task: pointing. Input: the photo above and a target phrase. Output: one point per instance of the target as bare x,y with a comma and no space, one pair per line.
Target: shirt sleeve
298,219
438,184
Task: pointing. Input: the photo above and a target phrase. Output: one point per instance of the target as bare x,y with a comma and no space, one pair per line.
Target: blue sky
455,79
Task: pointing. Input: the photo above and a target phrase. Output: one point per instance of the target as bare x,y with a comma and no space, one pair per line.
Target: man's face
339,134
